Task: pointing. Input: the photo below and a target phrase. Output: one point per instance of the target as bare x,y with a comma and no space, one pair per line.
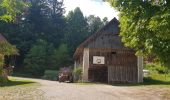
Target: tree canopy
77,29
95,23
145,26
10,8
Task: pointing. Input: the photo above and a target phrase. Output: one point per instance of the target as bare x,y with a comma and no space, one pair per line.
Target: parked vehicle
65,75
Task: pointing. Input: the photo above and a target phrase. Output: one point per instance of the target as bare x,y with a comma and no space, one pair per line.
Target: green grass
156,79
159,75
18,82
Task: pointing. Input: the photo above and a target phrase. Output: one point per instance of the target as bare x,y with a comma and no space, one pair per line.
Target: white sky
92,7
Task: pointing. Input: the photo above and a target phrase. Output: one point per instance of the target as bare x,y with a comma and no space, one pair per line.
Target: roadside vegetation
158,75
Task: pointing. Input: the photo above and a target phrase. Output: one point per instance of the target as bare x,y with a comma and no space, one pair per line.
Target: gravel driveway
54,90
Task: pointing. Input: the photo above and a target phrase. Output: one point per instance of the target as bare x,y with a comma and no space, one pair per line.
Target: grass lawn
154,80
160,80
18,82
17,89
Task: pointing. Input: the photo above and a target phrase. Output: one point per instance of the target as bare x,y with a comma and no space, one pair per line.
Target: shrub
50,75
77,74
156,68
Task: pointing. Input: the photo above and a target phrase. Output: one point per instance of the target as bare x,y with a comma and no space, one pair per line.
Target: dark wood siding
123,68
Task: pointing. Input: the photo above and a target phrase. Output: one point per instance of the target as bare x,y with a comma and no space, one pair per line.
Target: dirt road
54,90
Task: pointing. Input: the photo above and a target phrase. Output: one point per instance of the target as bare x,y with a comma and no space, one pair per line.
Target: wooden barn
104,58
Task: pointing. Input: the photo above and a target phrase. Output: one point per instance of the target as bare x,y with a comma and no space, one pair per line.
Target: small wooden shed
104,58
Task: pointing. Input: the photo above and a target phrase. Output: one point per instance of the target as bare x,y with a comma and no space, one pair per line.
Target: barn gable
106,37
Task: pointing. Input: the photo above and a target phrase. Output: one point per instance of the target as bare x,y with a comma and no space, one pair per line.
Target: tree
105,20
38,58
45,20
57,21
94,23
8,11
10,8
145,26
39,21
77,29
60,57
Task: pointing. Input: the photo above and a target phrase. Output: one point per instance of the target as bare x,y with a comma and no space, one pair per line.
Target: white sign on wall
98,60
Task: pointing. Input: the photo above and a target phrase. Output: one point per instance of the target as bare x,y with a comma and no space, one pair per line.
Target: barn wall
98,72
107,41
123,68
121,64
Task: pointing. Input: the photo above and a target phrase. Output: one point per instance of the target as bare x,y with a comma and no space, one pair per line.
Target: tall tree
94,23
145,26
77,29
57,21
39,21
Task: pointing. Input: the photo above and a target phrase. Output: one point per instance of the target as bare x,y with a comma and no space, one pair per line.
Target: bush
77,74
156,68
50,75
3,77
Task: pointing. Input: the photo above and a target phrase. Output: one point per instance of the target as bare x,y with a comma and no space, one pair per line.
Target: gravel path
54,90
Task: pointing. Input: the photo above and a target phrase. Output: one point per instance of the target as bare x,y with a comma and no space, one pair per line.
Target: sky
91,7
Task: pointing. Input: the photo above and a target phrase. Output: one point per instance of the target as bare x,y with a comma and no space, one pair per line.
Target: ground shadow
146,81
26,75
150,81
15,83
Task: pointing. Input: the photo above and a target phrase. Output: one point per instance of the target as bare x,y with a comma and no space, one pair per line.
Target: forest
45,36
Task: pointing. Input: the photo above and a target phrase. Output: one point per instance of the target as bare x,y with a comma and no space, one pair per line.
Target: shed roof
2,39
94,36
